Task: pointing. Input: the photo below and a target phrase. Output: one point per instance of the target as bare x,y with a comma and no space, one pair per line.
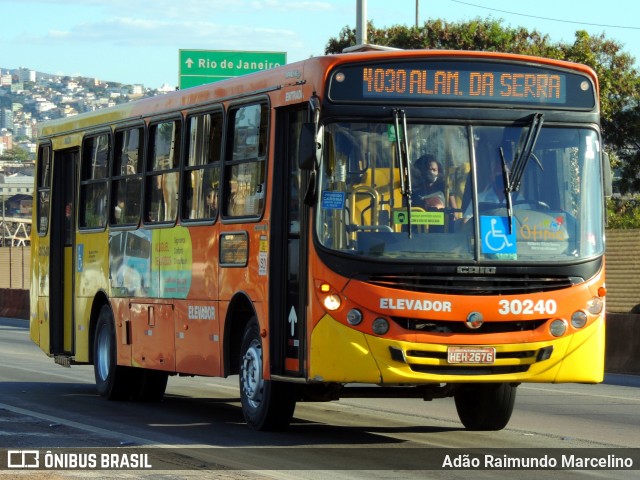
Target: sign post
198,67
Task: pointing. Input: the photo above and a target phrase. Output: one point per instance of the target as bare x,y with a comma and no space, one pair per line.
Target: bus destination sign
466,82
528,87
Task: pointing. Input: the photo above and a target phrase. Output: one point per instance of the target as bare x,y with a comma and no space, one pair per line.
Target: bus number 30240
527,307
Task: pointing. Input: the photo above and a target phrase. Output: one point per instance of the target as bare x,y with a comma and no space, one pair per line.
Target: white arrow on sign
189,62
293,319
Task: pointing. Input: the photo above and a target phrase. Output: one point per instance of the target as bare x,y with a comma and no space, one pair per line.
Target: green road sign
198,67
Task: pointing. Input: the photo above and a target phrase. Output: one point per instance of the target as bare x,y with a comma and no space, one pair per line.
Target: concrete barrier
14,303
622,344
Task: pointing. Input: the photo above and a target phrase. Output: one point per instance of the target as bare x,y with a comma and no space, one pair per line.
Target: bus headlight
354,317
380,326
578,319
332,302
328,296
595,306
558,327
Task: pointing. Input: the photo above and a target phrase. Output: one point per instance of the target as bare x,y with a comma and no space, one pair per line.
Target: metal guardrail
15,231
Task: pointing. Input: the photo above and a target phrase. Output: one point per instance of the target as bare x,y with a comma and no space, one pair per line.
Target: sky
138,42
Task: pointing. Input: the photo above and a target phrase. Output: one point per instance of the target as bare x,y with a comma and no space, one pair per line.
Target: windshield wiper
511,180
507,189
402,145
520,163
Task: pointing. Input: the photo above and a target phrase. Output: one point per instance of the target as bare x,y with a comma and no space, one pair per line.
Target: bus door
62,231
287,286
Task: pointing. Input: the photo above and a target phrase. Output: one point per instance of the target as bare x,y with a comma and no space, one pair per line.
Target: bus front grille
458,326
473,285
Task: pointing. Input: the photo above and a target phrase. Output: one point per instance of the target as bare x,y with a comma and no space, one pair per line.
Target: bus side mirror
606,175
308,147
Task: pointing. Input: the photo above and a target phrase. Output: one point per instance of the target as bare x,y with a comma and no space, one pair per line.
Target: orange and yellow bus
421,224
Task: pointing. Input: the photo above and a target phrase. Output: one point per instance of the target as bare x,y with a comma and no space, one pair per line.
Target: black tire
266,405
485,407
152,385
113,382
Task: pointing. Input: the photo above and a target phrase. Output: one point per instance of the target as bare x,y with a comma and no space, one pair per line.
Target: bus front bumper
344,355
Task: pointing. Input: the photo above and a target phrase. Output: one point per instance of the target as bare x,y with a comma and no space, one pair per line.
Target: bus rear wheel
113,382
266,404
486,407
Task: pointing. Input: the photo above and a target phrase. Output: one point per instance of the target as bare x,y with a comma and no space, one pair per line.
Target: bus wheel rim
253,382
103,354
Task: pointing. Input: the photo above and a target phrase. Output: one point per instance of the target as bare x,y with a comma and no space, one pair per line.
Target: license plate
481,355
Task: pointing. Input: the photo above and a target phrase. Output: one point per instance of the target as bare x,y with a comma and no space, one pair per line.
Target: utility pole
417,14
361,22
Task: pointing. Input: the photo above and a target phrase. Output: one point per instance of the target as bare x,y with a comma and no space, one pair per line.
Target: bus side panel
68,333
153,336
197,338
204,269
261,313
40,285
44,328
197,320
249,273
39,291
251,280
91,269
34,309
82,328
121,315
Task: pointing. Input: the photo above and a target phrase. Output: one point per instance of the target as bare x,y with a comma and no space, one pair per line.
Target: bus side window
44,187
94,178
245,161
202,166
126,185
162,173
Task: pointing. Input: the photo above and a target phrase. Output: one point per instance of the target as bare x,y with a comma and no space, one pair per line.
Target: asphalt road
198,430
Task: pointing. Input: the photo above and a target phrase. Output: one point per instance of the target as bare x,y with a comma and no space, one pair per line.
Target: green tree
15,155
478,34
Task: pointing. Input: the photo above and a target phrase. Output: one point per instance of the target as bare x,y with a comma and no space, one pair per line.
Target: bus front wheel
266,404
151,385
485,407
112,381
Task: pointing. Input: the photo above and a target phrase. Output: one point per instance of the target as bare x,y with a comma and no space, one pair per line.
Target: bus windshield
527,192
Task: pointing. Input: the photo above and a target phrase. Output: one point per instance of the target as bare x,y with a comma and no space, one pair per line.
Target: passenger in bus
68,222
118,210
211,203
235,206
429,187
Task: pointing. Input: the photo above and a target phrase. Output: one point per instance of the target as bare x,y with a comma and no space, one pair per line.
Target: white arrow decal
293,319
189,62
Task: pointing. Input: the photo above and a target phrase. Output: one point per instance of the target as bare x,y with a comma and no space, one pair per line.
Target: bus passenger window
162,172
245,162
44,187
126,183
202,167
94,171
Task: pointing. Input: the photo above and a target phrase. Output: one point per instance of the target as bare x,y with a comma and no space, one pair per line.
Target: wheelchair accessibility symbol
495,235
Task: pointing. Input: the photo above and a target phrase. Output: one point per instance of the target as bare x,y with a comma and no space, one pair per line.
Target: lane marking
81,426
584,394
